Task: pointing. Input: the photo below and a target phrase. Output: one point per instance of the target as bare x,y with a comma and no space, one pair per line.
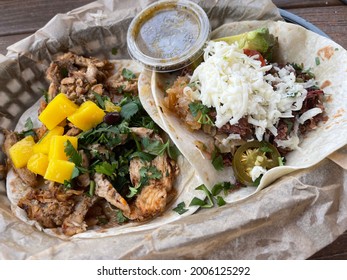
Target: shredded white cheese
309,114
256,172
237,86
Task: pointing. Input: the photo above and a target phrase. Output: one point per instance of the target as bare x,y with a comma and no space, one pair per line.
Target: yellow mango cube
87,116
43,145
57,110
22,151
38,163
59,170
111,107
57,146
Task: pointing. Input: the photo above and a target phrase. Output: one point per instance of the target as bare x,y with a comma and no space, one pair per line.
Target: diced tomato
252,53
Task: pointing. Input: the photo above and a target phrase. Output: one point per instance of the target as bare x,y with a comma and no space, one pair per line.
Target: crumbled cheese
256,172
237,86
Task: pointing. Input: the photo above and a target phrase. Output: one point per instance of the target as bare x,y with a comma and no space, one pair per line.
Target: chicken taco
87,160
269,98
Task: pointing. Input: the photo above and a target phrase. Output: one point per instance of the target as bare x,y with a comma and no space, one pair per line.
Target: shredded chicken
153,197
75,223
83,180
76,75
105,189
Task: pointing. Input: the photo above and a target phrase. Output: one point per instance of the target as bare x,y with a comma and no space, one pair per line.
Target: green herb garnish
217,160
129,110
114,51
106,168
128,74
199,110
317,60
72,154
121,219
180,208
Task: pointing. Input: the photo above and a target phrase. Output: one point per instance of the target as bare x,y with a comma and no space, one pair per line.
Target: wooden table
19,18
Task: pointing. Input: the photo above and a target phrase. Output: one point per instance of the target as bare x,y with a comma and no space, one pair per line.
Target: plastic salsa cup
168,35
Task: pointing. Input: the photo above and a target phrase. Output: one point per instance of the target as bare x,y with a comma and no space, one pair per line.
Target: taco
247,116
88,161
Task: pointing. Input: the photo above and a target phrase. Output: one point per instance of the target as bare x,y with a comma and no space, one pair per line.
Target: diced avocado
259,39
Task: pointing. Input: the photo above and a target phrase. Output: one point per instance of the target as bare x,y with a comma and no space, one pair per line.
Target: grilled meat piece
153,197
75,223
105,189
48,207
76,75
117,84
243,128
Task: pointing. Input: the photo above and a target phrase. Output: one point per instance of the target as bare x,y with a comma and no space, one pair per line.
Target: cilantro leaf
106,168
75,173
146,173
198,202
317,60
133,192
209,202
29,129
180,208
99,100
142,155
128,74
173,152
217,160
150,172
157,148
29,124
129,110
199,110
72,154
154,147
265,149
114,51
224,186
220,201
120,217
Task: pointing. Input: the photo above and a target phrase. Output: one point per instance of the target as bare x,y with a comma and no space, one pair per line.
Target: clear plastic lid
168,35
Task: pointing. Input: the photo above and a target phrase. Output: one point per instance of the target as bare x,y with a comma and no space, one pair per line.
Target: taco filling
98,159
256,110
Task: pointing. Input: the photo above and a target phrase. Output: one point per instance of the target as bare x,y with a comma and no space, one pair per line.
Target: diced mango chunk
111,107
57,146
59,170
87,116
57,110
38,163
22,151
43,145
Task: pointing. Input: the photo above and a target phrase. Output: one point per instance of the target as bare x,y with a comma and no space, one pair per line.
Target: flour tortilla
185,183
298,45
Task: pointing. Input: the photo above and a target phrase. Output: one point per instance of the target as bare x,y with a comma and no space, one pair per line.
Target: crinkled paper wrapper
291,219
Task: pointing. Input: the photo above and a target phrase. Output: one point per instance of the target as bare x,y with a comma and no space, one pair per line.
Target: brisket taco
268,98
88,161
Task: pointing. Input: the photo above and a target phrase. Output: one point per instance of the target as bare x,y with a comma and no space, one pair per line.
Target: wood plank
331,20
28,16
6,41
335,251
285,4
